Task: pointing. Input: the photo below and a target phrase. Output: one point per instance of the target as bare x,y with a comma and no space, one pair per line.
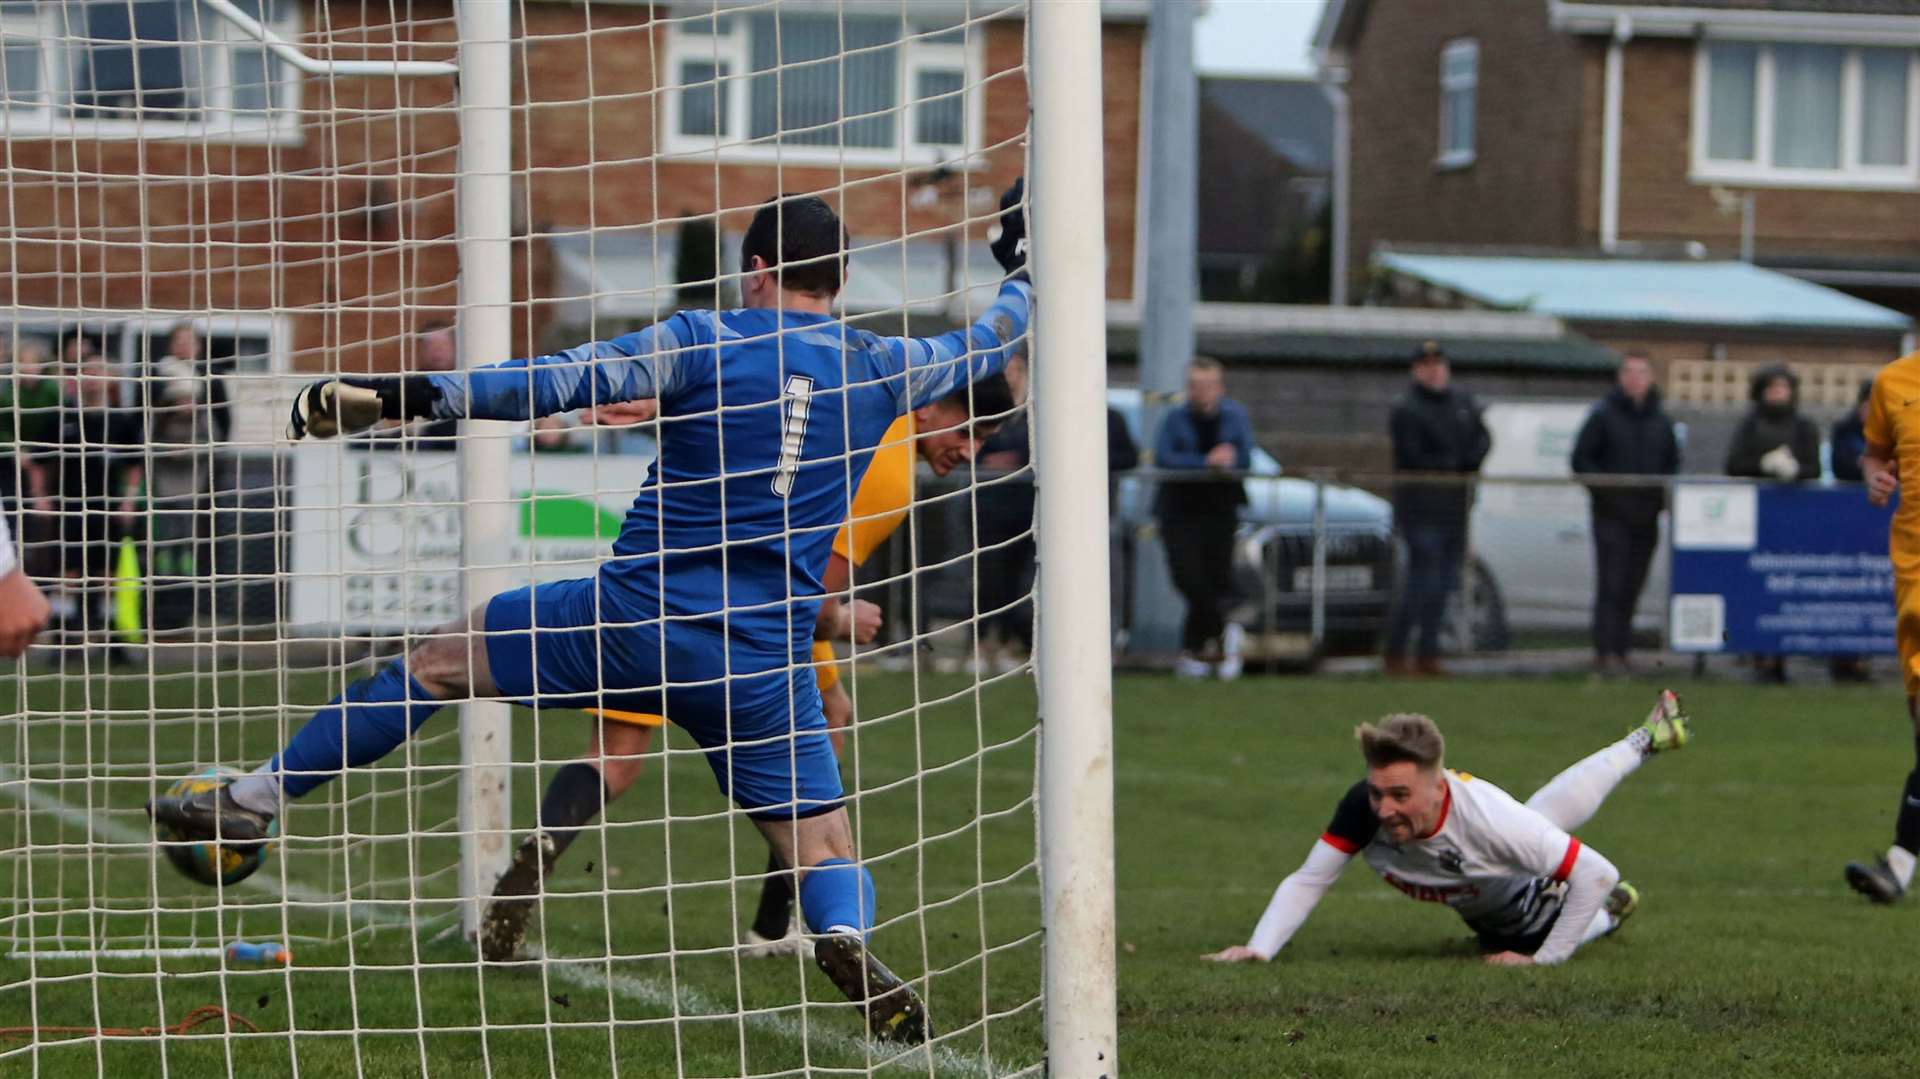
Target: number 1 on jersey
799,395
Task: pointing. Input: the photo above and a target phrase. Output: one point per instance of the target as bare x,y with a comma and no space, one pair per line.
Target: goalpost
317,188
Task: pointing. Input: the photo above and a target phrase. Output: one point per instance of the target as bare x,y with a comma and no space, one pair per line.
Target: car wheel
1476,615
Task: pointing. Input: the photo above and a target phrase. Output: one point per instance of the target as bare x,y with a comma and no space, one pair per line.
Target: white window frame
259,396
278,125
733,51
14,25
1760,172
1449,157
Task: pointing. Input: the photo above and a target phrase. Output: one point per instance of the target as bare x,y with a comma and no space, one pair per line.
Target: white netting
194,229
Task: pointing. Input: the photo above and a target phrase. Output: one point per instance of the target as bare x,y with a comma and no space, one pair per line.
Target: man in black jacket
1626,434
1435,428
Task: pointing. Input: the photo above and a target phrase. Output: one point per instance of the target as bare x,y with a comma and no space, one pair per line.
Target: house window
1805,113
23,61
117,68
1459,87
822,85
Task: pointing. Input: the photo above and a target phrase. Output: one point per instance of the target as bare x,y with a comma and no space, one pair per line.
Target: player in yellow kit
1892,459
945,436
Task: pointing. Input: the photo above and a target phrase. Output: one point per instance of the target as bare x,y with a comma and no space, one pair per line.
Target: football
205,861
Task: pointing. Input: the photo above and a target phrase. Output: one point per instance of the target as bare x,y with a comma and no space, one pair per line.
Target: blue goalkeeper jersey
768,420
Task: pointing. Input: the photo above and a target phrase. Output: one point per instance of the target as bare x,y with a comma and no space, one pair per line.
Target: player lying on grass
706,610
1532,892
945,435
1892,457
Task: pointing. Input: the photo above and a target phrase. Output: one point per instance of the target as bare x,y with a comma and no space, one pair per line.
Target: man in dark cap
1436,428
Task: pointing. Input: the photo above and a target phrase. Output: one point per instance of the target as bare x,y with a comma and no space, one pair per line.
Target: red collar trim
1446,805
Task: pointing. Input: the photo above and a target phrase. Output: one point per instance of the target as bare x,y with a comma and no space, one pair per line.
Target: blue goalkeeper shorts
761,722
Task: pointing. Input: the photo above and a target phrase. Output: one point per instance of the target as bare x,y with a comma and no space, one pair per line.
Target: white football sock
1900,860
258,790
1571,798
1601,925
1233,640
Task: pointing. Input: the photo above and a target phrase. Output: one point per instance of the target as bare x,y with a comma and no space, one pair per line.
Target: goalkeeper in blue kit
705,612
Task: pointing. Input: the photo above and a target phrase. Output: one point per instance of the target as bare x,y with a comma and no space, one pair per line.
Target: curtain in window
940,117
703,102
805,81
1806,106
1459,83
1883,107
113,73
22,74
1459,108
1730,101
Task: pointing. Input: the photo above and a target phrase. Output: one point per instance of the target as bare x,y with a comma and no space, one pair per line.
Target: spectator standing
436,352
30,403
1122,456
1005,510
1628,433
1775,442
1436,428
187,420
1846,443
1211,436
102,446
29,423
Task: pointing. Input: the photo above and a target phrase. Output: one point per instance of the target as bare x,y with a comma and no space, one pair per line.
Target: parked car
1273,566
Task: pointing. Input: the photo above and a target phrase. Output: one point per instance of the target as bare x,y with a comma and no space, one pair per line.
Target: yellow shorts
1906,630
826,674
638,719
826,666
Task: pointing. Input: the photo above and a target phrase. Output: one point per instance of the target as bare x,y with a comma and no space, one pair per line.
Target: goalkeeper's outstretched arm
936,367
1292,901
631,367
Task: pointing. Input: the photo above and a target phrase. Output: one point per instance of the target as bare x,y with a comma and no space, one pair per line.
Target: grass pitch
1748,957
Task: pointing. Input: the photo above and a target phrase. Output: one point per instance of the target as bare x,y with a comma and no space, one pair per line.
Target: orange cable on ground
194,1018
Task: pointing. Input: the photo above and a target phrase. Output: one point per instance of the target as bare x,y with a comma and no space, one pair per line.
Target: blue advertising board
1779,569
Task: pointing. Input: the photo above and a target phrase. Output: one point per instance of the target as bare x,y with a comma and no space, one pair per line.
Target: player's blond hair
1403,736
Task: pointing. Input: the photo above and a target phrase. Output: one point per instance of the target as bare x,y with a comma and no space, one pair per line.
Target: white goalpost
211,204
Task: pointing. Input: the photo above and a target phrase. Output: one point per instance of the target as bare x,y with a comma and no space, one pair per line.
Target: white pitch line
579,970
19,789
588,974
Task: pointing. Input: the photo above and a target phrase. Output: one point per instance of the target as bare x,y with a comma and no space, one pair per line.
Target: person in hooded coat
1775,442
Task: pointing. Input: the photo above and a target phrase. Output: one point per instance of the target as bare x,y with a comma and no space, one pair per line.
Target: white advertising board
376,534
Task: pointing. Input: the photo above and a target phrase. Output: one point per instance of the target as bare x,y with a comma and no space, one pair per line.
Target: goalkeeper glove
1011,247
345,406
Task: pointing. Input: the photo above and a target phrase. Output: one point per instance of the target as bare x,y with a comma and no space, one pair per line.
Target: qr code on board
1699,621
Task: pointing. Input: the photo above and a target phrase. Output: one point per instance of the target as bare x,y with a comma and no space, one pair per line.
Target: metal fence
1318,569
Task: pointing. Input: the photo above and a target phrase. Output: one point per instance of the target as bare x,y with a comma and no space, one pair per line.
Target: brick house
1646,129
308,223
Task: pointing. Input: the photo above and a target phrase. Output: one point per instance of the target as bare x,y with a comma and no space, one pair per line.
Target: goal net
209,205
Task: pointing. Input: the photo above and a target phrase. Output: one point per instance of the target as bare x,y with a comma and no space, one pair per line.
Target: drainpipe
1610,135
1333,83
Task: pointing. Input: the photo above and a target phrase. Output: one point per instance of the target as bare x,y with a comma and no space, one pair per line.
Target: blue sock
836,894
374,715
